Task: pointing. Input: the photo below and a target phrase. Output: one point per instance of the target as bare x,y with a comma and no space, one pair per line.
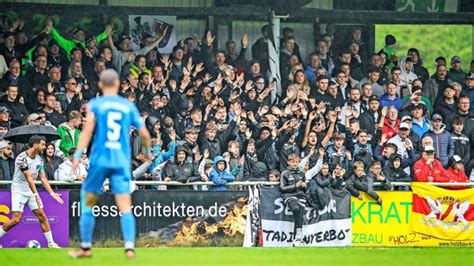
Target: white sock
86,245
49,237
129,245
299,233
2,232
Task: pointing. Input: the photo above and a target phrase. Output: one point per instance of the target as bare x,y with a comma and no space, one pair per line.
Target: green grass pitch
247,256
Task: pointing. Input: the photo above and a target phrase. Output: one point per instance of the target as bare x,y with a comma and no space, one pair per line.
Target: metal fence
240,183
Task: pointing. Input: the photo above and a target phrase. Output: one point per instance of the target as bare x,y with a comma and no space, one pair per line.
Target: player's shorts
119,179
19,200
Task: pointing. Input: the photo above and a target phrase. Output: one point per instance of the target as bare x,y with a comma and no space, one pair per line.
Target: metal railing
240,183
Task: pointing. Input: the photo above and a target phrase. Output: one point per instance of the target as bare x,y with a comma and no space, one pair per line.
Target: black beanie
390,39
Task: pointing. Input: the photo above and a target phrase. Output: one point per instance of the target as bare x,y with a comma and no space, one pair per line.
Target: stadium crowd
341,115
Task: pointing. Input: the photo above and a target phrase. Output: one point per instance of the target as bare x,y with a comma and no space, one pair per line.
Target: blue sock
86,224
127,221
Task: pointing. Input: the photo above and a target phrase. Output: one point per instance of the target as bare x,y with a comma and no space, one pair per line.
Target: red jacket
389,130
439,174
459,176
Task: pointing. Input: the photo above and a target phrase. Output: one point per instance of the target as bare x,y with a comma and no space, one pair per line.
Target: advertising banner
29,228
443,213
389,224
171,218
330,226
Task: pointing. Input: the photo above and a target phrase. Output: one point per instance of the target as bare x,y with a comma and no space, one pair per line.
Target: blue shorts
119,179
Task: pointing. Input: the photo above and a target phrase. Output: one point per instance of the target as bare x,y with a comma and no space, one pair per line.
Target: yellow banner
442,213
389,224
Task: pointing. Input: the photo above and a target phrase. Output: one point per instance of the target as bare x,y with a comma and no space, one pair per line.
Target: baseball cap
33,117
437,117
4,109
4,144
405,118
456,59
253,62
124,37
471,76
76,30
374,98
416,106
456,159
429,148
404,125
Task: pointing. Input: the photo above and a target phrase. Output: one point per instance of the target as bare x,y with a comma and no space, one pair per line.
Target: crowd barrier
255,216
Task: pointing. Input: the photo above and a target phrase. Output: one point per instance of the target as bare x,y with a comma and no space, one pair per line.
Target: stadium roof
296,10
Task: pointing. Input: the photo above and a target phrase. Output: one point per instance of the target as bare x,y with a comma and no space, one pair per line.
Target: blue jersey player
108,122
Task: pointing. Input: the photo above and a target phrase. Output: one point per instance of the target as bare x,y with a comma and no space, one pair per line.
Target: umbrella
24,133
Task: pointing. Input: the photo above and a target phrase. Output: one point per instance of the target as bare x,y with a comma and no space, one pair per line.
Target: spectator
312,67
293,187
390,42
180,170
391,124
462,146
70,131
396,78
416,97
372,78
12,50
234,58
378,176
13,76
14,103
51,161
447,107
72,98
327,61
63,173
359,181
442,141
33,119
404,144
429,169
391,98
420,123
7,161
319,93
394,172
418,67
455,72
3,66
50,109
457,170
126,53
434,87
415,139
343,87
408,76
220,175
55,84
260,48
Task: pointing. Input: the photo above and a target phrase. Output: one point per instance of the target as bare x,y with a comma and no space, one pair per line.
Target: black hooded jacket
182,172
396,174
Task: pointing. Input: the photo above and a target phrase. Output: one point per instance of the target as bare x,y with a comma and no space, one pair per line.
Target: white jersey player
28,167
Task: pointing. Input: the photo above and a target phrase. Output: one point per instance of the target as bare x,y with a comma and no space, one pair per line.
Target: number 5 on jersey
113,130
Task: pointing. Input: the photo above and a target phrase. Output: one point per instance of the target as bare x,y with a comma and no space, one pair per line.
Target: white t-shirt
22,163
